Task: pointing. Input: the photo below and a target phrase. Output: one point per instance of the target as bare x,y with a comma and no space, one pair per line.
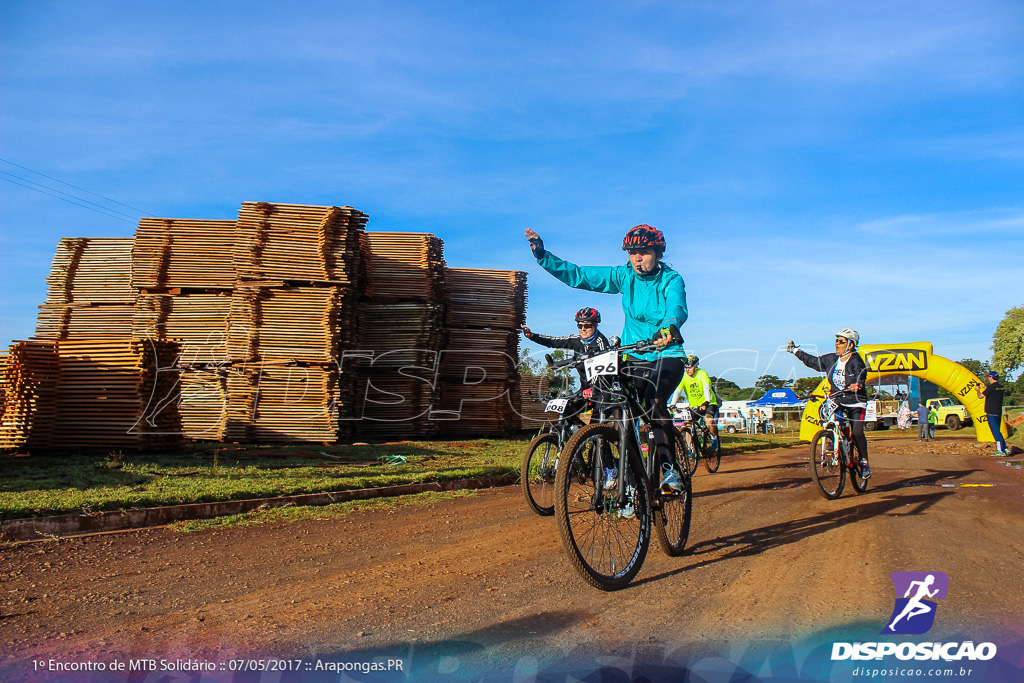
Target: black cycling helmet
692,361
588,315
644,236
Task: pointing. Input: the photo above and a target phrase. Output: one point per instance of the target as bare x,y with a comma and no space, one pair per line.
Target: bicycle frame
620,403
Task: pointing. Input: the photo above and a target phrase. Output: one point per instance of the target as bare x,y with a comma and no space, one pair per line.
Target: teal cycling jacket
650,302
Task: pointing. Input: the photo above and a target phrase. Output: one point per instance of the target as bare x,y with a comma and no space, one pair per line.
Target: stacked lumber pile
478,373
533,397
396,376
89,293
117,392
30,399
90,394
185,276
405,266
293,311
296,242
401,331
198,322
171,253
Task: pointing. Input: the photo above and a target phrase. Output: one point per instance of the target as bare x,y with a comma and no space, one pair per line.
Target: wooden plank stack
293,311
533,397
401,331
278,321
117,392
89,293
295,242
30,399
405,266
185,276
172,253
478,375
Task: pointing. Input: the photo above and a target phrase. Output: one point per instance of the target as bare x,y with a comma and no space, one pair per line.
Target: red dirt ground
479,587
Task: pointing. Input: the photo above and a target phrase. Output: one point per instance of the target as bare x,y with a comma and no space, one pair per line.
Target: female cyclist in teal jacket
653,299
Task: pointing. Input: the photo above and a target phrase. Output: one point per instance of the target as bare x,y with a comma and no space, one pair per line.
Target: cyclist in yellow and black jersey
696,387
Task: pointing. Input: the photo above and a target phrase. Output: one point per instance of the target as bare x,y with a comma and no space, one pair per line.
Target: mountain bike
697,438
606,531
537,473
834,453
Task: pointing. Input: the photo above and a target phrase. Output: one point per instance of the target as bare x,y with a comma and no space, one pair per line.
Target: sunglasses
584,326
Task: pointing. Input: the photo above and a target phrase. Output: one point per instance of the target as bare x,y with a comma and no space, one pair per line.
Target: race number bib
683,414
556,405
606,363
827,411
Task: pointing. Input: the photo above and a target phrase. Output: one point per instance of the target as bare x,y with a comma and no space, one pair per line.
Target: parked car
731,420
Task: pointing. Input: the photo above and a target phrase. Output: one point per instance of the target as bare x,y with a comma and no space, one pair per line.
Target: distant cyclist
696,387
847,373
654,301
589,339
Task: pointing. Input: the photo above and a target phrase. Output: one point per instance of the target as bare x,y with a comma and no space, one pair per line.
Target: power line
65,194
80,189
69,201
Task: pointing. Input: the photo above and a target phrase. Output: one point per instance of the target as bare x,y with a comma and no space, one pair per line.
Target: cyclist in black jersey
588,340
847,373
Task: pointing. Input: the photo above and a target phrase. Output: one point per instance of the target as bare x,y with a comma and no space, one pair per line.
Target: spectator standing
933,417
922,422
993,395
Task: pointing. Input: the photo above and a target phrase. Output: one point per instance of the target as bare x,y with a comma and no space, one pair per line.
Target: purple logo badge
916,594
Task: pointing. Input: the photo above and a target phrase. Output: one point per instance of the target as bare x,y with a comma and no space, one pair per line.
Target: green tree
561,381
747,394
1008,342
724,388
805,385
767,383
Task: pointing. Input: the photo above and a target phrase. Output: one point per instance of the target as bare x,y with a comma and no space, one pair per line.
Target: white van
731,420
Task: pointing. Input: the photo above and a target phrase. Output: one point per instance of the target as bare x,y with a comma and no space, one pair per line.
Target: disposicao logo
914,612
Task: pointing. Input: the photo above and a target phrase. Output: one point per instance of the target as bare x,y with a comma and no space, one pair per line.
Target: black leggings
658,379
856,418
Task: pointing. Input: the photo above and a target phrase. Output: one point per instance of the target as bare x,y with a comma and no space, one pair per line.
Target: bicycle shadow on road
756,541
934,478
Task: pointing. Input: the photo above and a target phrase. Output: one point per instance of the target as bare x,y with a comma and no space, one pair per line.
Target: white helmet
847,333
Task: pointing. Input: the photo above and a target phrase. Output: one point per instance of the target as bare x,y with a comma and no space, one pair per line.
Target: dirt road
479,587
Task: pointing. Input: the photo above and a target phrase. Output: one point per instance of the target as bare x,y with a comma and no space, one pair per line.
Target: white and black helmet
850,334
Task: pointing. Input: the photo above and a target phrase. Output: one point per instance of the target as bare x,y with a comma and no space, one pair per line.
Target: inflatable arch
917,359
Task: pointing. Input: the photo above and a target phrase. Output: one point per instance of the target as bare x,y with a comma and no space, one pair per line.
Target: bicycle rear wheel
860,484
712,452
827,468
605,536
537,476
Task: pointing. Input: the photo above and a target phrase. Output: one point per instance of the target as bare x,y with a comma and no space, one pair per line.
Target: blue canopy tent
777,398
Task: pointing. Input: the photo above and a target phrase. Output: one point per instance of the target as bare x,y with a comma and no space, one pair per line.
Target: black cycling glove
537,246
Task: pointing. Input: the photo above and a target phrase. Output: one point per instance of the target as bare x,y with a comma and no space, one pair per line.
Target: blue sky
814,165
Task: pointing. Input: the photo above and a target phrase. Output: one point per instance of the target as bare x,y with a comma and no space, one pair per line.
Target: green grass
79,483
62,484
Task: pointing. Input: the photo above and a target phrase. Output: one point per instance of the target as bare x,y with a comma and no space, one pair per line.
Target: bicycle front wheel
860,484
605,535
537,477
672,517
712,453
827,468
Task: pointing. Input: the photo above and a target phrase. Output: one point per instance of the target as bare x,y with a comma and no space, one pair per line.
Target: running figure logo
914,612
